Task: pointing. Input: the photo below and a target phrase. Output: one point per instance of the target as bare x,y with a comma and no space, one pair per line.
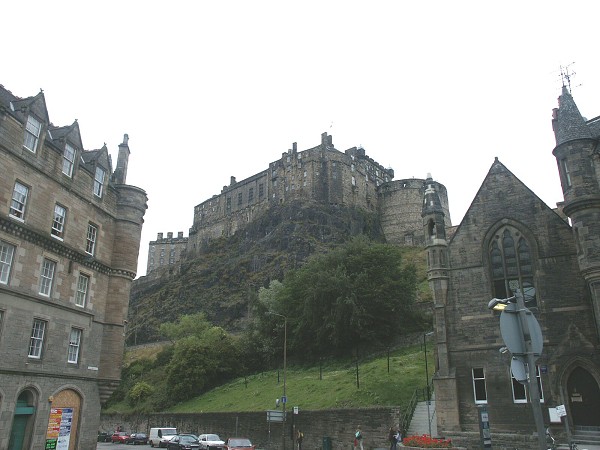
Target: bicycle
555,446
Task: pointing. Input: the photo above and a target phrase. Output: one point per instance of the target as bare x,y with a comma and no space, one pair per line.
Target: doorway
24,410
584,397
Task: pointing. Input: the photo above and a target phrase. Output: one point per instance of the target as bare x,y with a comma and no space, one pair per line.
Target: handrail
409,411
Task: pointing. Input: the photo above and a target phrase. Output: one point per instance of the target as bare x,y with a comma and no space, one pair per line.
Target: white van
159,436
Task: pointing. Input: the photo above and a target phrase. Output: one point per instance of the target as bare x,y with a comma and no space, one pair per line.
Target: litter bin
326,443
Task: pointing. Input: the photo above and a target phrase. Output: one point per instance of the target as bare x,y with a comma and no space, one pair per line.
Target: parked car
210,441
120,437
183,442
159,436
103,436
137,438
239,444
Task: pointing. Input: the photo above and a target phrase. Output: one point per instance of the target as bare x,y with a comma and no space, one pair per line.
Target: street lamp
283,398
427,379
522,336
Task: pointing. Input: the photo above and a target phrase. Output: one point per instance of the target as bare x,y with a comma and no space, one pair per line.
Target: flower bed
426,441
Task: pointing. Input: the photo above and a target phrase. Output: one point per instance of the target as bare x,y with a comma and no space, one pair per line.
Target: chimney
122,161
170,235
159,237
180,234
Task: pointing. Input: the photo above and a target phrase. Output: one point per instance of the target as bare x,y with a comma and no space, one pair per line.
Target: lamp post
284,397
427,379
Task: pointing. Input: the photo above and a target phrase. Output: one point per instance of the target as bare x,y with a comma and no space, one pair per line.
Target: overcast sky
207,90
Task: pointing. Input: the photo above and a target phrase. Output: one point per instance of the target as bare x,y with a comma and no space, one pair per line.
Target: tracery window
512,266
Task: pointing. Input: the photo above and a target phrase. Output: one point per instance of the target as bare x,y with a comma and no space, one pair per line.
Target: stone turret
578,161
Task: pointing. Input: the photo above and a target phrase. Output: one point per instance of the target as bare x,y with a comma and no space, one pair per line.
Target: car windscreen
240,443
212,437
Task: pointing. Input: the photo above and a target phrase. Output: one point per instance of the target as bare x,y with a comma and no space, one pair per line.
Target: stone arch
66,406
580,392
22,425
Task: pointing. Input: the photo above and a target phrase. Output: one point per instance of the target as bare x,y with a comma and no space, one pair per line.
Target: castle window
564,168
261,190
512,266
518,389
32,133
58,223
353,181
352,168
479,389
228,204
250,195
99,181
19,201
68,160
239,199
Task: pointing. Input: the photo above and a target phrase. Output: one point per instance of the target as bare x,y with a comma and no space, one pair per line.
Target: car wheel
152,444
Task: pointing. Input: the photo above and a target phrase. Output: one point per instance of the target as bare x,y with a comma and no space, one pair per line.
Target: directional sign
283,399
561,410
274,415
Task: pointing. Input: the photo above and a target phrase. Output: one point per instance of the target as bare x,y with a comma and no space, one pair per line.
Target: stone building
510,242
165,253
319,174
69,240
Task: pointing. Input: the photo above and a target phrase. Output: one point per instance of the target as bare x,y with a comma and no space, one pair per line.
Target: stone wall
339,425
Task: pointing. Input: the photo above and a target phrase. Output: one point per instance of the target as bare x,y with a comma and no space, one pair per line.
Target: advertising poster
59,429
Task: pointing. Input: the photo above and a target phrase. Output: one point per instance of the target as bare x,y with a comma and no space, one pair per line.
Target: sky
207,90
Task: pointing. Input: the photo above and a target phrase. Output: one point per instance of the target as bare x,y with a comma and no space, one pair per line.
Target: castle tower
436,247
578,161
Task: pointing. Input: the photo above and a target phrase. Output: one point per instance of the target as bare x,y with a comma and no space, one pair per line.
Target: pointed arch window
511,264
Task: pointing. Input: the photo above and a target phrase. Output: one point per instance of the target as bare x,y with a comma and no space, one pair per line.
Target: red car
239,444
120,436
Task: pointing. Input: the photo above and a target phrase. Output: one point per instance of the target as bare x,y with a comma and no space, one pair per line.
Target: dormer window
99,181
68,160
32,133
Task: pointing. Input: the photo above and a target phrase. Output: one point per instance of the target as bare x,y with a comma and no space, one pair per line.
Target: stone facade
165,253
69,240
510,242
319,174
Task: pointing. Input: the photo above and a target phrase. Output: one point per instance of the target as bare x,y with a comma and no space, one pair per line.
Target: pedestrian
299,438
393,438
358,439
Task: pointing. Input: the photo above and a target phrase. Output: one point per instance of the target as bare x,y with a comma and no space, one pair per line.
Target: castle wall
400,206
321,174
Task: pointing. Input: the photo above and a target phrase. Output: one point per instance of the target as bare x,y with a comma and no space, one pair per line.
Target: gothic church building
510,241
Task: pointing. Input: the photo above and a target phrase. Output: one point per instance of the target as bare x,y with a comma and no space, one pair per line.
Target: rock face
224,276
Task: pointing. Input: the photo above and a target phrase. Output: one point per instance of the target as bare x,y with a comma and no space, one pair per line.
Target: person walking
358,439
299,439
393,438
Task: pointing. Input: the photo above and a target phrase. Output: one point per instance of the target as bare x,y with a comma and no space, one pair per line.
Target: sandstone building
320,174
165,253
69,240
509,241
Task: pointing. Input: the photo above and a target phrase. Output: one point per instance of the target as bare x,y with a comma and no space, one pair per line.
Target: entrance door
584,398
23,412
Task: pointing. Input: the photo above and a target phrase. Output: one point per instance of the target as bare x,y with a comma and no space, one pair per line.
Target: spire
567,122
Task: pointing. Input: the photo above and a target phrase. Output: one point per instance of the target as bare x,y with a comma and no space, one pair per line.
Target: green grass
337,388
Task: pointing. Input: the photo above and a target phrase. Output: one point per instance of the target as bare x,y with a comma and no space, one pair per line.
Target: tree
354,295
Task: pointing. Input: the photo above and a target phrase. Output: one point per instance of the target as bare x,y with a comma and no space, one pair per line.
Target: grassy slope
336,389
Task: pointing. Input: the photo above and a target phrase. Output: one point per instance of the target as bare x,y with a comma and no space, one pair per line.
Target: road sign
295,410
517,367
274,415
283,399
510,327
561,410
